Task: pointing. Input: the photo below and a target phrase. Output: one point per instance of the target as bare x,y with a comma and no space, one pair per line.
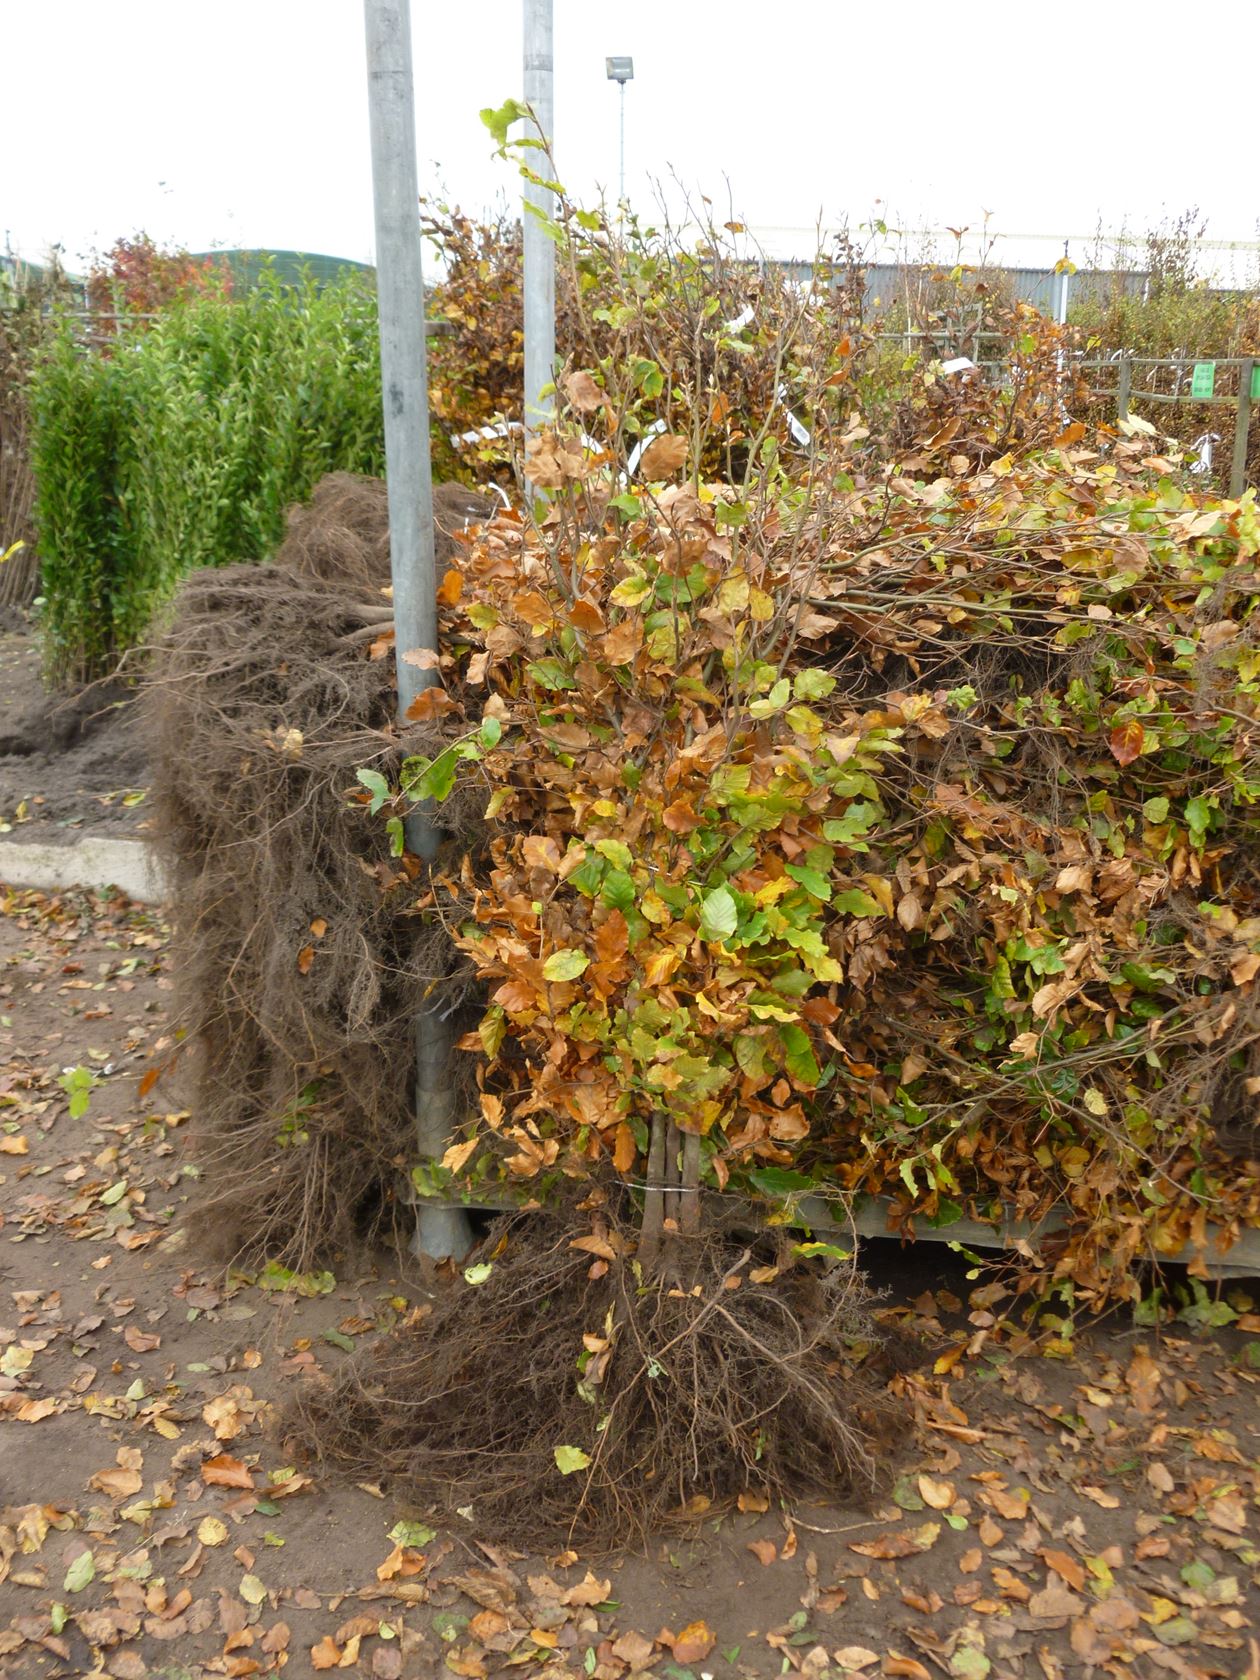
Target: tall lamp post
621,71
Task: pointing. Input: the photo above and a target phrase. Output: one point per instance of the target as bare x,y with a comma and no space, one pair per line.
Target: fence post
1242,427
1124,388
440,1231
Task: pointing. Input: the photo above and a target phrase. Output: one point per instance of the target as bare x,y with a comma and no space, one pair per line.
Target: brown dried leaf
662,457
223,1471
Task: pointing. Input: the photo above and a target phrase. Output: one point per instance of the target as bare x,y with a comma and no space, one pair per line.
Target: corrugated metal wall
886,282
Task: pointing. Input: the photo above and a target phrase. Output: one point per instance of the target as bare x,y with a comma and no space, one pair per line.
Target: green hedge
182,445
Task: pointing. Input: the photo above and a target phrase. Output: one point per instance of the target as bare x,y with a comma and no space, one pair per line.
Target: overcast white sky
243,122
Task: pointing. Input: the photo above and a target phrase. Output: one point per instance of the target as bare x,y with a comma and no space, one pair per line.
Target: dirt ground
1091,1512
69,763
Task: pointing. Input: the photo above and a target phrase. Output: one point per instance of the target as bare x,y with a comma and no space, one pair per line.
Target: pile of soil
68,762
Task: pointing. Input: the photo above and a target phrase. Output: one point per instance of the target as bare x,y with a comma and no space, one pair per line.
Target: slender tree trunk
689,1199
673,1177
653,1197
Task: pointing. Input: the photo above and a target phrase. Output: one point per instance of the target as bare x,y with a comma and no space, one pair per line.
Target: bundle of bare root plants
298,980
890,834
560,1399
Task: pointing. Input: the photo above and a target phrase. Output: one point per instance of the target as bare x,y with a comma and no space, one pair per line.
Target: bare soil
70,763
1091,1512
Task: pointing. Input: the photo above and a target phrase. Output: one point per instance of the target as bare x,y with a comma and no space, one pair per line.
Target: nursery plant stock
897,838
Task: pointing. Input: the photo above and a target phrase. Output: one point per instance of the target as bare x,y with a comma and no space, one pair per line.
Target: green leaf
906,1493
631,590
498,122
947,1213
822,1251
1198,819
492,1030
854,902
569,1459
376,785
1145,978
411,1534
80,1573
812,880
338,1338
551,674
424,778
397,836
115,1193
565,965
799,1056
750,1053
617,853
617,890
780,1181
478,1274
718,915
252,1590
276,1276
1156,810
813,684
490,733
1179,1631
775,701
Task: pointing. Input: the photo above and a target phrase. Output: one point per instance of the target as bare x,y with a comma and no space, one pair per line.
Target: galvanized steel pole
440,1231
539,253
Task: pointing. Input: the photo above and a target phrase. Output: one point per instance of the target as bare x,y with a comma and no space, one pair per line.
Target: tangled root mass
298,978
694,1387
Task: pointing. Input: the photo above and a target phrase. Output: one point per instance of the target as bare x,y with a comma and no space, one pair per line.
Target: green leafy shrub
183,446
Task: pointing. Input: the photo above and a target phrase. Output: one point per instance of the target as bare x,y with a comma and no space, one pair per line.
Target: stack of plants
887,833
856,817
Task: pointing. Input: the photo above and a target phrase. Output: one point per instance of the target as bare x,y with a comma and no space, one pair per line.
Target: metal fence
1193,382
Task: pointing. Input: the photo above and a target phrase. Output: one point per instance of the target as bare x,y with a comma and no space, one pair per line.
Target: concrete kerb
96,861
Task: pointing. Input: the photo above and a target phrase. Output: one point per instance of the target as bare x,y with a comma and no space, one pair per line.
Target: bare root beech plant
864,814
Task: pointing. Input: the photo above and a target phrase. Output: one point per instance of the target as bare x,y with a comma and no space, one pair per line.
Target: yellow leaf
939,1495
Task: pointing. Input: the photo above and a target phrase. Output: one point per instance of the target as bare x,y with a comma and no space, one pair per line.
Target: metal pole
1061,315
1242,427
440,1231
539,252
621,197
1125,389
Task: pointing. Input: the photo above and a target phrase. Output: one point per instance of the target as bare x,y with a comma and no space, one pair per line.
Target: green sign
1203,382
1255,382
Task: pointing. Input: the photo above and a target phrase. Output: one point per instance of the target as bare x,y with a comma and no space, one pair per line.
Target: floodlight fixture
621,71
